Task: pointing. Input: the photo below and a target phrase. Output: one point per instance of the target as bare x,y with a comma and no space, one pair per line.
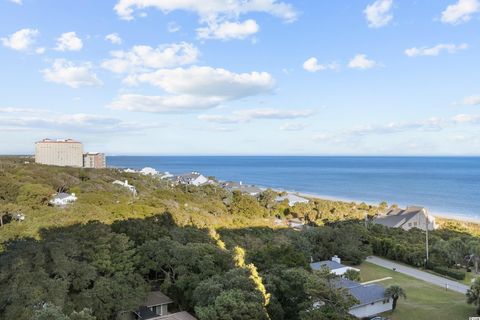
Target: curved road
418,274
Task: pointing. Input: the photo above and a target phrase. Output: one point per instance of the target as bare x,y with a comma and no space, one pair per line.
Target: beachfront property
334,265
95,160
192,178
63,199
409,218
292,199
371,298
147,171
125,184
67,153
155,307
239,186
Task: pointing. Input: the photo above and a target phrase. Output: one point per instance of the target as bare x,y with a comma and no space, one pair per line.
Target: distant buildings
67,153
334,265
125,184
409,218
293,199
63,199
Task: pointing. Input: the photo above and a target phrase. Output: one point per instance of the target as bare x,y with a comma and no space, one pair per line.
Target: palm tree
395,292
473,295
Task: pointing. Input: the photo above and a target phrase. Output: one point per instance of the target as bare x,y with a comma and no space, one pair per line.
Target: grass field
424,300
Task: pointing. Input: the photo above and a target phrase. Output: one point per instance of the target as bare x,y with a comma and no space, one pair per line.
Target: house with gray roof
409,218
334,265
239,186
190,178
371,298
292,199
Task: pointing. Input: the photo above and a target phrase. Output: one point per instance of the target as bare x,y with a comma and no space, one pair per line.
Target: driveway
418,274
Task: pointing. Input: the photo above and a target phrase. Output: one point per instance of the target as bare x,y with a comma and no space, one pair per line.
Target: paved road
422,275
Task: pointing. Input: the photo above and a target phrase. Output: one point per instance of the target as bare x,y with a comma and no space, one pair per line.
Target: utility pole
426,239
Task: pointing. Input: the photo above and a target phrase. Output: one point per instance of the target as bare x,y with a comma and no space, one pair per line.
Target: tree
395,292
52,312
34,195
473,295
353,275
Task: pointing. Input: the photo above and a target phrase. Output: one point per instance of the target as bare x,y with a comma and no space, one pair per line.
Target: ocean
445,185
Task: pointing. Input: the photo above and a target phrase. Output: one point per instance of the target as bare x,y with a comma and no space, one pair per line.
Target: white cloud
173,27
163,104
209,9
113,38
461,11
69,41
472,100
466,119
432,124
436,50
312,65
360,61
71,74
19,2
207,82
40,50
242,116
291,126
22,40
145,57
379,14
228,30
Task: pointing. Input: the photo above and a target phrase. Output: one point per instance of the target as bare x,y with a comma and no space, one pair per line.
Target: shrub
455,274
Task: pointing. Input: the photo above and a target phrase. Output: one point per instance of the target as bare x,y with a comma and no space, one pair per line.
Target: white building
335,266
63,199
147,171
293,199
192,178
62,152
409,218
125,184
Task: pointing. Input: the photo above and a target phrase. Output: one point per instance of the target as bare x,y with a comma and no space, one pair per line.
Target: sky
242,77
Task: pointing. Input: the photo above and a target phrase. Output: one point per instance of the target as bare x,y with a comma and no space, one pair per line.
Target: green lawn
424,300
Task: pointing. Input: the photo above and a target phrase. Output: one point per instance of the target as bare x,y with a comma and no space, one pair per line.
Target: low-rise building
94,160
63,199
191,178
334,265
148,171
293,199
125,184
243,188
409,218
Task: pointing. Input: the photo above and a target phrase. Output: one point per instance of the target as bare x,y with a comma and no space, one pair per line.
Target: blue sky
242,77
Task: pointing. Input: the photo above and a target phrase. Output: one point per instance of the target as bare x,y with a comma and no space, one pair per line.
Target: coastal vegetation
214,252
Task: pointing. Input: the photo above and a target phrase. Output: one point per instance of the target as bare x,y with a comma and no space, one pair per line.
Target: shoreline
436,214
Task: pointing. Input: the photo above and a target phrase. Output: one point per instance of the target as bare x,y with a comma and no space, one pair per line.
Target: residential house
243,188
155,307
293,199
296,224
128,170
63,199
411,217
125,184
147,171
192,178
371,298
334,265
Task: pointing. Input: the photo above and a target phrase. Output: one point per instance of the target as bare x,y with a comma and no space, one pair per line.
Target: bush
455,274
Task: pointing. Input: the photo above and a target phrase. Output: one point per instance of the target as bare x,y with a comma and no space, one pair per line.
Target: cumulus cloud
113,38
22,40
312,65
461,11
143,58
163,104
435,50
69,41
228,30
206,81
71,74
34,119
466,119
432,124
19,2
378,14
208,9
247,115
472,100
361,62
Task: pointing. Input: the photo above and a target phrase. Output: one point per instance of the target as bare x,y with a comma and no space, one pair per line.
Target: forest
218,255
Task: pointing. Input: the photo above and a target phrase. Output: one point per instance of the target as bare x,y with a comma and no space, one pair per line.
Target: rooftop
179,316
365,294
332,265
58,141
156,298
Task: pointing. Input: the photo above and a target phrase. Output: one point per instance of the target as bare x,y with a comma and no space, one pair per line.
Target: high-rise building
61,152
94,160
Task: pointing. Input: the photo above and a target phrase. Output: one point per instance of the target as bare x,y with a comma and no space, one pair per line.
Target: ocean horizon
446,185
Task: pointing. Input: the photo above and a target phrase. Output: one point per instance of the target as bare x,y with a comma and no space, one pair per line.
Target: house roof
179,316
365,294
332,265
395,220
156,298
62,195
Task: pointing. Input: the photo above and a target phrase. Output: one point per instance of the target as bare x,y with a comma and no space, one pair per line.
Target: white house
409,218
371,298
293,199
192,178
125,184
128,170
147,171
334,265
62,199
